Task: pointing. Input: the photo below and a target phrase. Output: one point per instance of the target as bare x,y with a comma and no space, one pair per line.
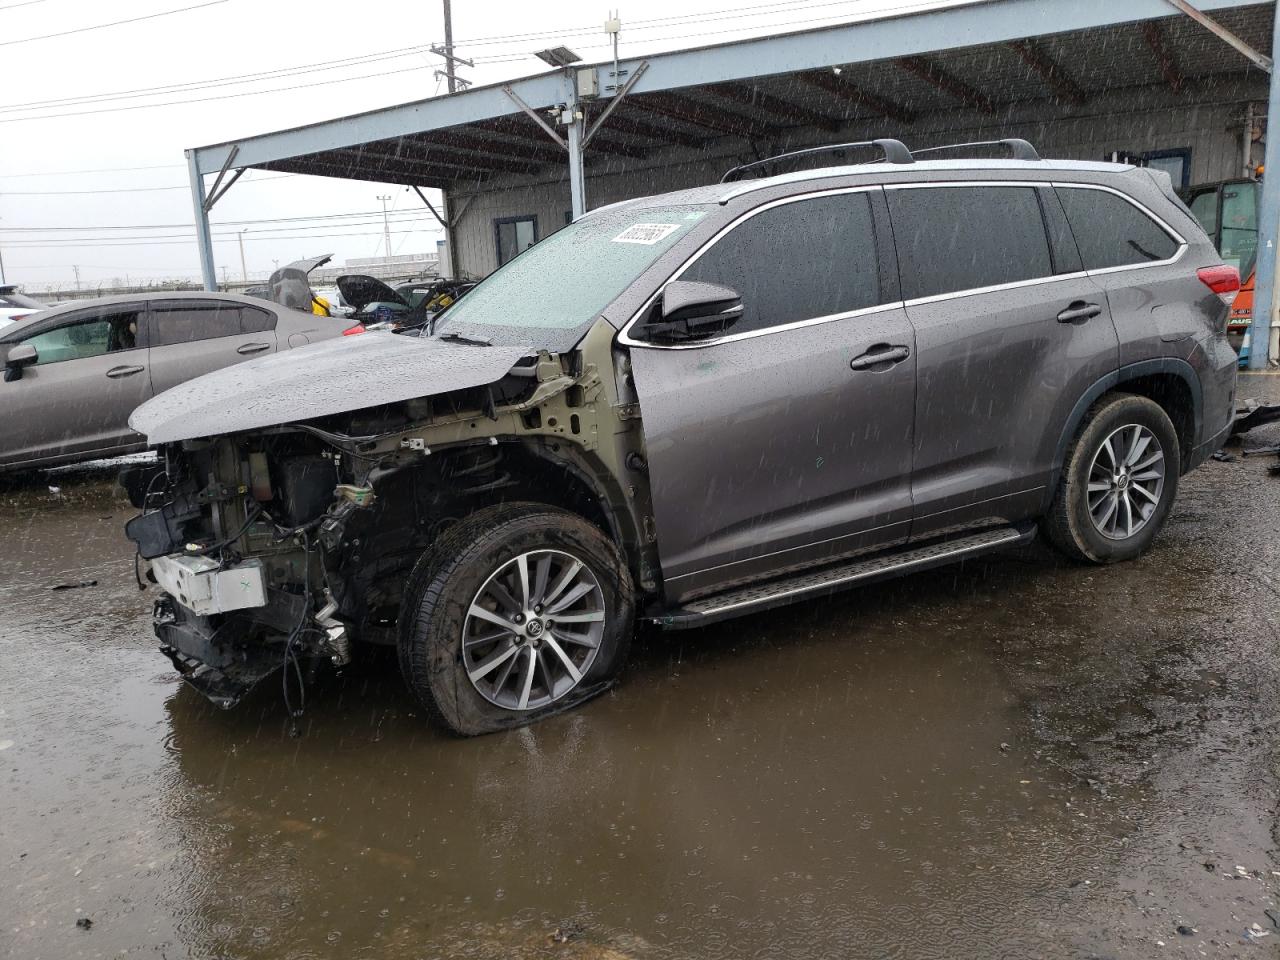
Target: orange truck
1228,212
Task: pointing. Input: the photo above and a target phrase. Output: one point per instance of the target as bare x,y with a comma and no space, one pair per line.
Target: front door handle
253,347
1079,311
881,355
115,373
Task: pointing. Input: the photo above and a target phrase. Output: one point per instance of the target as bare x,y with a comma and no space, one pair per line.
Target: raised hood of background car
359,291
334,376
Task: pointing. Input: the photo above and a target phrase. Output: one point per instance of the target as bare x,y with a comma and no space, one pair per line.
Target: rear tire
524,663
1118,482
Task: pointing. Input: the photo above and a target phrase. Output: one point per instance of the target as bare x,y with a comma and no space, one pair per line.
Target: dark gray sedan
73,374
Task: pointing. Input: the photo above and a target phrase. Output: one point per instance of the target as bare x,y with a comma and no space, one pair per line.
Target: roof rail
895,151
1021,149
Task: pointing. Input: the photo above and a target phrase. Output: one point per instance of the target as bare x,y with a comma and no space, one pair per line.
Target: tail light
1223,280
359,327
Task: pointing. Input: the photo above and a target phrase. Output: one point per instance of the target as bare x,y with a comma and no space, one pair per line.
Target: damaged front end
287,544
233,548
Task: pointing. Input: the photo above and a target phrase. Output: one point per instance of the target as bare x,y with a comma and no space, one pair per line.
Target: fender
1133,371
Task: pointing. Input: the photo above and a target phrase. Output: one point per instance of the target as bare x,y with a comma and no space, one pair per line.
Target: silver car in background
73,374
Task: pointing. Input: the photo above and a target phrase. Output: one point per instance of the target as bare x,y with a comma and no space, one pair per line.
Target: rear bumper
1208,448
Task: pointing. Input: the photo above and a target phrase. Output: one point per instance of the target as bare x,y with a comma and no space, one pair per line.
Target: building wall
1208,120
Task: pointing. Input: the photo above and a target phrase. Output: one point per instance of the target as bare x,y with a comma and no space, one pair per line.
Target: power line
114,23
24,3
192,240
235,79
187,228
67,193
712,16
68,173
225,96
184,226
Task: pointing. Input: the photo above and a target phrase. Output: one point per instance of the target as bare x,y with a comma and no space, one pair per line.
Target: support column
577,178
204,242
1264,293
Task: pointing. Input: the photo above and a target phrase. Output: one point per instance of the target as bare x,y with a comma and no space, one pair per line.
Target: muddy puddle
1019,758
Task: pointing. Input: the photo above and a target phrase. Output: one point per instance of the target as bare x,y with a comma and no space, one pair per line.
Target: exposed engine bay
288,545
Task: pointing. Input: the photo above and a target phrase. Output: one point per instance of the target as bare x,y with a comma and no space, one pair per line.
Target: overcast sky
116,162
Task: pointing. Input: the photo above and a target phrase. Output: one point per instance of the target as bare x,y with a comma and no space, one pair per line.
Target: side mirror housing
690,310
23,355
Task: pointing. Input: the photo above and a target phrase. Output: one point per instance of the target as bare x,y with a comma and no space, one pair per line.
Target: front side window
185,321
87,336
568,278
797,261
964,238
514,236
1112,232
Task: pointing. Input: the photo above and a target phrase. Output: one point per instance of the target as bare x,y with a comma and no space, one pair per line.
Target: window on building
798,261
963,238
1112,232
186,321
514,235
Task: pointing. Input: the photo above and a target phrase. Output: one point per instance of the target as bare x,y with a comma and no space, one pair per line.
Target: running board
828,580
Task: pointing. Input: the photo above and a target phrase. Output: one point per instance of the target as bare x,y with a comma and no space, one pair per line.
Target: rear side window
254,320
964,238
797,261
186,321
1112,232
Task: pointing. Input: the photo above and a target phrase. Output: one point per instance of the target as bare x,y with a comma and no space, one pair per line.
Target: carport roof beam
1217,29
535,116
918,33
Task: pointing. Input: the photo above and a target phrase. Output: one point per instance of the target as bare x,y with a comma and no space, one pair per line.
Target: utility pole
244,273
224,277
1,266
76,268
450,72
386,226
448,48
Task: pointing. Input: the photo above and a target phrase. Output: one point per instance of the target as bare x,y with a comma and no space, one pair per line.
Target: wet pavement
1017,758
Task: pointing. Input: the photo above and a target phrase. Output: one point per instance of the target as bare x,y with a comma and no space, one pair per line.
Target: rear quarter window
1110,231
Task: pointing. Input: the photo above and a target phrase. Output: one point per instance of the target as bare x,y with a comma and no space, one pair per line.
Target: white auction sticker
646,233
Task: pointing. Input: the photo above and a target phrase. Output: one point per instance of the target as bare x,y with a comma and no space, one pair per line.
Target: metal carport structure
993,66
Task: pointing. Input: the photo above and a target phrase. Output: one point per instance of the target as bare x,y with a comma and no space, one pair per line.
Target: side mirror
691,310
23,355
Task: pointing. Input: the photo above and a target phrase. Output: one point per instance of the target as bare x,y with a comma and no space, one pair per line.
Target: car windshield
568,278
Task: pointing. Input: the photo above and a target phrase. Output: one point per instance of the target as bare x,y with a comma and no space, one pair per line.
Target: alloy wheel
1126,479
533,630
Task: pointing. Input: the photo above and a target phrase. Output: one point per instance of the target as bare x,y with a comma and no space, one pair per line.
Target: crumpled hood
333,376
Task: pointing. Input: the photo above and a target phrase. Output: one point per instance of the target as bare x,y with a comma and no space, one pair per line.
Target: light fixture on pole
558,57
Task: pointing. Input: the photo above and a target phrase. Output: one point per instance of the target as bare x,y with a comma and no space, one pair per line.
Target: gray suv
689,407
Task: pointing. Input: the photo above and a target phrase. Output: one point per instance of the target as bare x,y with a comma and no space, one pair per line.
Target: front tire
1118,482
521,611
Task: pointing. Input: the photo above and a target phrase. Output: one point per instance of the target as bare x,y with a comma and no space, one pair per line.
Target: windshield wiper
456,337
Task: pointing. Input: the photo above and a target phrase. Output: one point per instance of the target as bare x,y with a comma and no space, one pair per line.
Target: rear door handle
1079,311
879,355
115,373
253,347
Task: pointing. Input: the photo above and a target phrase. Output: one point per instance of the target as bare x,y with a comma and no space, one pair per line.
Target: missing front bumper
220,662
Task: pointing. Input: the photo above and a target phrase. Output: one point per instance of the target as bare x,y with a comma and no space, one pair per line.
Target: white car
14,306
